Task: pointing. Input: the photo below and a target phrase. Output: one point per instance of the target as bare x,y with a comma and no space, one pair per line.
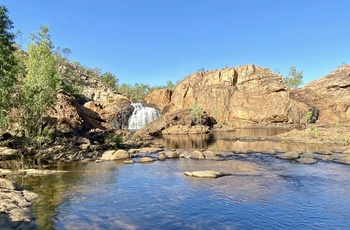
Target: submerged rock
205,174
307,160
147,160
171,154
129,161
289,155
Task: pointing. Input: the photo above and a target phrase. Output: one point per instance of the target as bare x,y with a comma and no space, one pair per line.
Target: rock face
114,110
241,96
161,99
178,122
71,116
329,95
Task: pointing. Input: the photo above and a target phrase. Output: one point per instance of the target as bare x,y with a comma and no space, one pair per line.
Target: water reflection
262,193
220,141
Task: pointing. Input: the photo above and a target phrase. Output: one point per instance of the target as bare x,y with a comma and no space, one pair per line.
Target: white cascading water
142,116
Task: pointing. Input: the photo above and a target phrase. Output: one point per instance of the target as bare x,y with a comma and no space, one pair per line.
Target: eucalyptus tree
294,78
8,65
40,85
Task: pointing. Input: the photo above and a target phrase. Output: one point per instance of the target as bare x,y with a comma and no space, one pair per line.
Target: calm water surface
263,193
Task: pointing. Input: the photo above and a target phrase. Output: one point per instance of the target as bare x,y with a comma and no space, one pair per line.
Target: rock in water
205,174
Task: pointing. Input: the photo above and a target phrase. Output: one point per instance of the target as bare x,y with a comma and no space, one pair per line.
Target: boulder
161,156
210,155
185,154
205,174
307,160
146,159
290,155
171,154
198,155
115,155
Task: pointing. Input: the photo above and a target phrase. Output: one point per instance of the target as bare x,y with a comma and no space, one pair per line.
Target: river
263,192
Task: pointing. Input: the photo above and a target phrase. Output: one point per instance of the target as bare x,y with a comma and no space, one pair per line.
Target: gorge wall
330,95
243,96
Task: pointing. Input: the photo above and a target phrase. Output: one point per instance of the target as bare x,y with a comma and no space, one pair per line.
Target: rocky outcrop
178,122
8,153
161,99
15,206
329,95
242,96
71,116
114,110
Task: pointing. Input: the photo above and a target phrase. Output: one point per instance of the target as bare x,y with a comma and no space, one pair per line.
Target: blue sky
152,41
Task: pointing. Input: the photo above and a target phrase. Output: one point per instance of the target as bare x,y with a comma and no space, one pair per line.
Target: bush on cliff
294,79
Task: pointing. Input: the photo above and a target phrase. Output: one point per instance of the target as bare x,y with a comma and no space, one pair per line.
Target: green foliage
137,92
94,72
294,78
313,130
308,116
69,72
196,111
109,80
39,88
114,139
170,85
48,133
8,66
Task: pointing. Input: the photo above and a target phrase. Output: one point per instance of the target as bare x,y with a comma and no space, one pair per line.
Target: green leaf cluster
138,92
39,88
8,66
196,111
294,79
109,80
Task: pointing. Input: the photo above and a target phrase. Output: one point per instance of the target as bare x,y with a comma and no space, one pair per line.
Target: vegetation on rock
294,79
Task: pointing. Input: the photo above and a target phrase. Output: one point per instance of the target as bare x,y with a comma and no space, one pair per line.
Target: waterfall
142,116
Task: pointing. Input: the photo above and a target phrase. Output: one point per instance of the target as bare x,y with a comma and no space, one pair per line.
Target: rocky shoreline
15,206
